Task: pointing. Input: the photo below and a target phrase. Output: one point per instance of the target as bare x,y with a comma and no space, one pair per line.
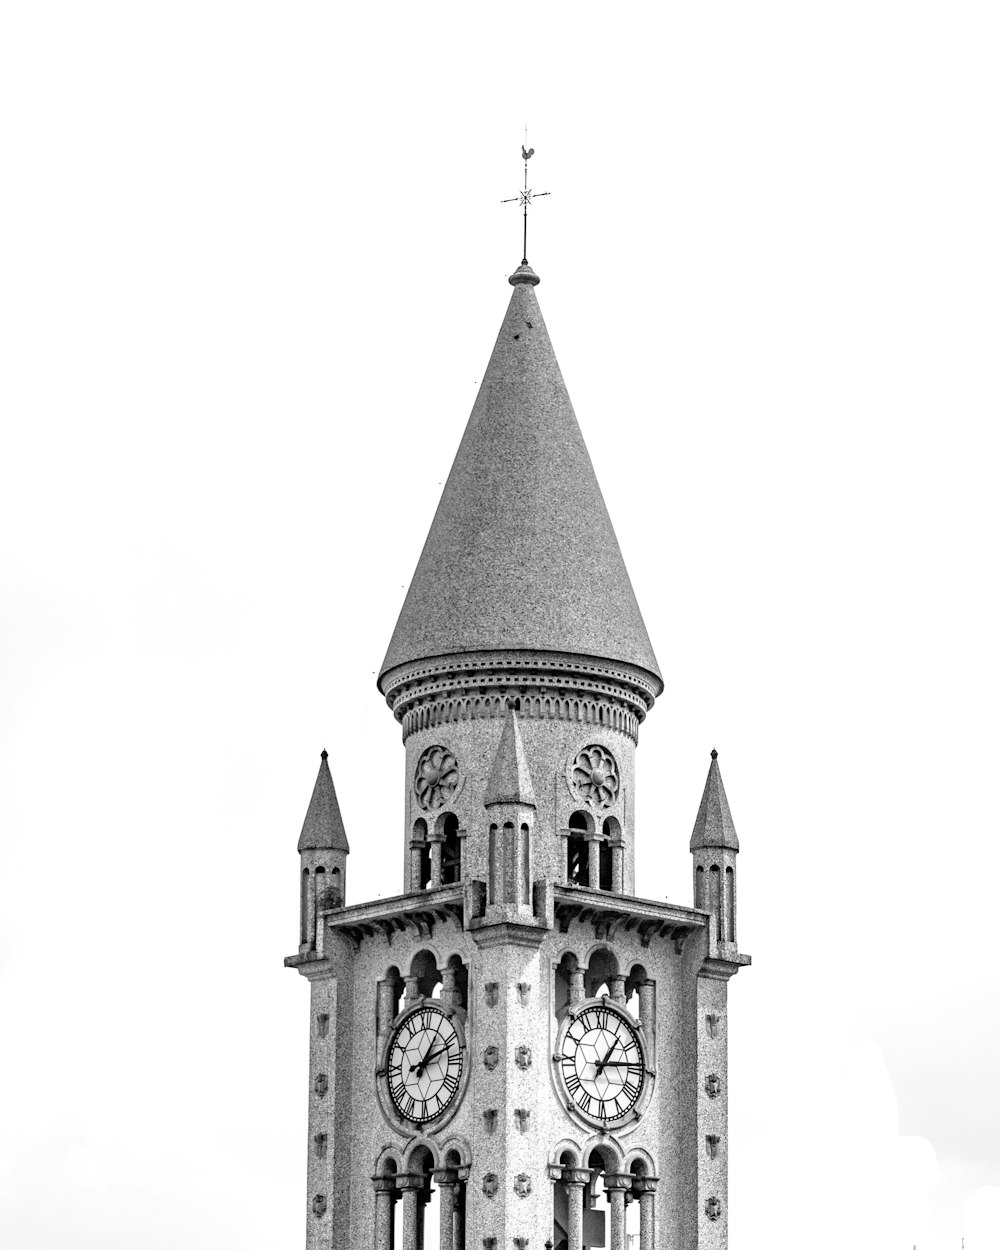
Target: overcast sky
252,265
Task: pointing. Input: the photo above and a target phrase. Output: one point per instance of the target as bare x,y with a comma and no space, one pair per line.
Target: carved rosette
594,777
436,778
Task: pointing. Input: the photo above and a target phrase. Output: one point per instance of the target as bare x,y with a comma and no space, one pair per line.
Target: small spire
510,777
713,826
323,827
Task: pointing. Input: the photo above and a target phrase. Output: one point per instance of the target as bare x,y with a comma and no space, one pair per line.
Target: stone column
647,1006
384,1189
616,985
616,1183
415,850
437,842
618,866
459,1218
412,991
447,1182
645,1187
575,1180
576,990
593,861
386,1002
449,991
412,1184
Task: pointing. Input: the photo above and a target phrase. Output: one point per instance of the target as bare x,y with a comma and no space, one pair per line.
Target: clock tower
521,1048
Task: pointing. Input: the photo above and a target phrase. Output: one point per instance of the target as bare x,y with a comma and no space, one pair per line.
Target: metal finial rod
527,196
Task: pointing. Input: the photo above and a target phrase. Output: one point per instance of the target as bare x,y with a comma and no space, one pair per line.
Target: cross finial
527,196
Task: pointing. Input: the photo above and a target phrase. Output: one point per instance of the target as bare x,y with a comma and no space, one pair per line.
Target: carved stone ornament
489,1243
594,776
436,778
522,1184
323,1024
319,1205
492,991
322,1084
522,1057
491,1183
523,992
520,1243
320,1143
712,1145
490,1120
712,1024
522,1115
713,1208
491,1057
713,1086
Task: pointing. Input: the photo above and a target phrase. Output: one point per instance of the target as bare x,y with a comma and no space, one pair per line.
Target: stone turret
714,845
323,851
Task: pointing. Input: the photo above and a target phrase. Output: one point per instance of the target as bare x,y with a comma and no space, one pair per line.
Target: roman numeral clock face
424,1065
601,1063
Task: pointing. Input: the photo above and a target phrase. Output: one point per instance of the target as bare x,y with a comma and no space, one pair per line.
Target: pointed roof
510,777
713,825
323,827
521,554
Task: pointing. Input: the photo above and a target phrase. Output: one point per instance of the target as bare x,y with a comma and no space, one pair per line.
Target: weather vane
527,196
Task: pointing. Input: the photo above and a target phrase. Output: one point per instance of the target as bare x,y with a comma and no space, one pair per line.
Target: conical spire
713,826
510,777
521,554
323,827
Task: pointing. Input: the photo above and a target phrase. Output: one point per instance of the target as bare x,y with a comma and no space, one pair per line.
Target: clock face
424,1064
601,1063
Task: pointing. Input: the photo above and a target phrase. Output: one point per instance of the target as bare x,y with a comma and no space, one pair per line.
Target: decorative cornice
415,913
548,685
614,914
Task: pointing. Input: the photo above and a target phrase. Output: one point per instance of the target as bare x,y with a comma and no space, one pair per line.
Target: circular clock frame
405,1098
587,1028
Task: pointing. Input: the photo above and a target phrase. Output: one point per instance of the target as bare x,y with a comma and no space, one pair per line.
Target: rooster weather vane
527,196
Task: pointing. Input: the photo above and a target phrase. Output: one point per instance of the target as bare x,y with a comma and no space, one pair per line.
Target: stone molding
548,685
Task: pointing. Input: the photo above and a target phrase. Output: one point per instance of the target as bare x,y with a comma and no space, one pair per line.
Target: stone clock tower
522,1049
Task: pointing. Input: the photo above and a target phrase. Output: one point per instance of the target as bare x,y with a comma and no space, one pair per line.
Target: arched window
578,850
421,852
451,850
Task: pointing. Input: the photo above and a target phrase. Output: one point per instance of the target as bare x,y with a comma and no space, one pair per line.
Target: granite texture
521,552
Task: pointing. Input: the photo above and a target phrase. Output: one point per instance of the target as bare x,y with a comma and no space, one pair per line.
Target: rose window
594,776
436,779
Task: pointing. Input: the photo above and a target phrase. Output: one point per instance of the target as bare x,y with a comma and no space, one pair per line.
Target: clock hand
604,1062
419,1068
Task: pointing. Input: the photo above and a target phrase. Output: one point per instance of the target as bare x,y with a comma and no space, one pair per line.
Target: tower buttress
714,845
323,851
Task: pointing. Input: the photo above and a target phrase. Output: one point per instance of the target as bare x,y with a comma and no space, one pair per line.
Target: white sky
252,264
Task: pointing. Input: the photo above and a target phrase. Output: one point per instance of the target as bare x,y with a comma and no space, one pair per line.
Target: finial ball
715,754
